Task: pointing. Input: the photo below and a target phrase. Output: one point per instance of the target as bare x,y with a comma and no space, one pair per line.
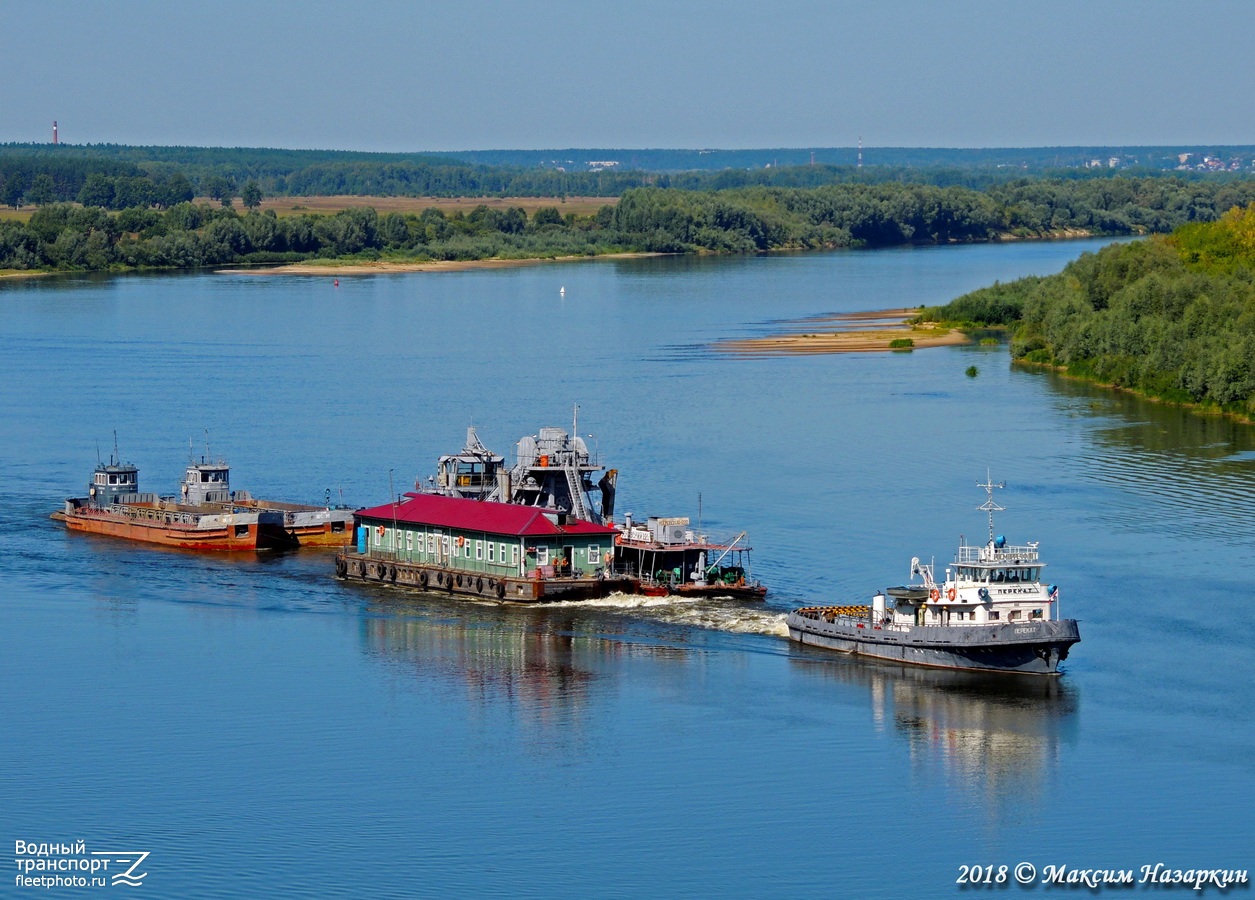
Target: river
264,730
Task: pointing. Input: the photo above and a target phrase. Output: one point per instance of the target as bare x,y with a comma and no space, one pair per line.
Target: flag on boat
1054,592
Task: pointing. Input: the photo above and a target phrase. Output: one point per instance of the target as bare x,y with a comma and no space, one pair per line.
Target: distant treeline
746,220
1017,159
1171,317
162,176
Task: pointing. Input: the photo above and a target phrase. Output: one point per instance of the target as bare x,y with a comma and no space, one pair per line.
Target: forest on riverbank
1171,317
184,235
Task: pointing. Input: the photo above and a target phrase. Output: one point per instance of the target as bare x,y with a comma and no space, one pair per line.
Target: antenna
99,462
117,459
191,454
989,506
860,151
206,445
575,421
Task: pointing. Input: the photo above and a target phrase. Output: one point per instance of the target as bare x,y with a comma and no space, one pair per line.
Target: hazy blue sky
466,75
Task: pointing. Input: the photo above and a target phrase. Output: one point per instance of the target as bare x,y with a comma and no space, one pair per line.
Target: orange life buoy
951,594
379,531
461,541
934,595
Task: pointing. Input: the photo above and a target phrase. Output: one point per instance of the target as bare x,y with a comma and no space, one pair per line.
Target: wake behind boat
992,612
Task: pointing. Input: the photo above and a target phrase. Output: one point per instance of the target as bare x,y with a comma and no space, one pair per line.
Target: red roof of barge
479,515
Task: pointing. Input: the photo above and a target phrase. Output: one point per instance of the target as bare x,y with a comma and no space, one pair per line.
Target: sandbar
857,332
394,267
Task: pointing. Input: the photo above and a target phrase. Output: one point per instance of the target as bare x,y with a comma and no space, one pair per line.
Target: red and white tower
54,131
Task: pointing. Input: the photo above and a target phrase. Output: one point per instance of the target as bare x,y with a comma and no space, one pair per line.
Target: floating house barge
482,548
555,472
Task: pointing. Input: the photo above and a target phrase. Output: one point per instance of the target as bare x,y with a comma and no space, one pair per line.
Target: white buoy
562,291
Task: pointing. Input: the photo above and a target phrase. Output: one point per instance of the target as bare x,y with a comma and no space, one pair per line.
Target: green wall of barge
500,555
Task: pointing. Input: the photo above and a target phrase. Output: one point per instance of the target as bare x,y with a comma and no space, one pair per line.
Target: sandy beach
387,267
858,332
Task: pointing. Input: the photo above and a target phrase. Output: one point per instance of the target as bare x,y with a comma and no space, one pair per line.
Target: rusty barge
207,514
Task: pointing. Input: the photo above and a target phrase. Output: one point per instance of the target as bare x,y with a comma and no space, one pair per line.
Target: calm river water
263,730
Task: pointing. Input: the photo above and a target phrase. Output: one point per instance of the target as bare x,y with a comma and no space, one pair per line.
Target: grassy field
288,206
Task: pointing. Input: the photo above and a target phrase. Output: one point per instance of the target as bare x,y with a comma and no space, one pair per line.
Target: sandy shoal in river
386,267
858,332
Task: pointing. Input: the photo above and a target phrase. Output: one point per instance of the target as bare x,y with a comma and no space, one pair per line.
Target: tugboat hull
1031,648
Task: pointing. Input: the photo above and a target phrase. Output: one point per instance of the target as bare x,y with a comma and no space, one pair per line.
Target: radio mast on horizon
54,131
860,152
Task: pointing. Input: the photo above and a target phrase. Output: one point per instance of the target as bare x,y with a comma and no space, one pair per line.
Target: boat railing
1006,555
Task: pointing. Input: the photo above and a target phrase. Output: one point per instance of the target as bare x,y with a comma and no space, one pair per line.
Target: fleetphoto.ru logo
54,864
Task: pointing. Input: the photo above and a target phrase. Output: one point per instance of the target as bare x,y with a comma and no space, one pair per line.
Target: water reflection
1200,468
544,664
996,737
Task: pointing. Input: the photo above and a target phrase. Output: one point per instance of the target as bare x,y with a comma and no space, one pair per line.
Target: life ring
934,595
341,566
422,579
379,531
461,541
951,593
479,586
500,589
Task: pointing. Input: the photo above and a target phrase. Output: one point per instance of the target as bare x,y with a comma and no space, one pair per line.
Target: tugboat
992,612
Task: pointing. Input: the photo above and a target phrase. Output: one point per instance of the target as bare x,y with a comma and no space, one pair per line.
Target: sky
528,74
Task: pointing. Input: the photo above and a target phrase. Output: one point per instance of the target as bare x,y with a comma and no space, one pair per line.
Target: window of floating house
492,552
479,549
594,555
514,555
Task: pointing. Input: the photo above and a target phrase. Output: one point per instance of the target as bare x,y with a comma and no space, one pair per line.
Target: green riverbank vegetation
176,234
1171,317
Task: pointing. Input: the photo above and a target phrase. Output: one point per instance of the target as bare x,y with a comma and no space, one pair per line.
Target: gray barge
991,612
